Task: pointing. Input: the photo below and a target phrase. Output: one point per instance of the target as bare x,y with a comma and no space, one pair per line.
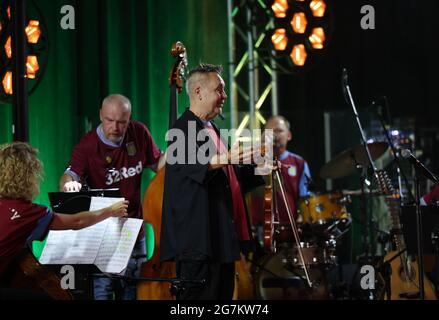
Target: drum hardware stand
365,219
262,267
276,276
363,207
271,272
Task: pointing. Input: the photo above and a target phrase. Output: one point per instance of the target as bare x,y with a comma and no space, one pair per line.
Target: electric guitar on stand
405,274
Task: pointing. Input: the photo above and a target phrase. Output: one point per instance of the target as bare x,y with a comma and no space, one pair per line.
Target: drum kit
324,220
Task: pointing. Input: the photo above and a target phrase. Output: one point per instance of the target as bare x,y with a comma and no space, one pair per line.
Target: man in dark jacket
205,221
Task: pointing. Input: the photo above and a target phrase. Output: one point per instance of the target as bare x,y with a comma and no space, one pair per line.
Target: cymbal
344,163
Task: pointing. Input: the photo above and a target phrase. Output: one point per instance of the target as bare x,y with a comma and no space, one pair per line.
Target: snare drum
313,256
323,209
275,281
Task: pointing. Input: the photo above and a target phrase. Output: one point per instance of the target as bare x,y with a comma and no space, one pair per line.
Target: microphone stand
435,242
419,238
350,100
395,158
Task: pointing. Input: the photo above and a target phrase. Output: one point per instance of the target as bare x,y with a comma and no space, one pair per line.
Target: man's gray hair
197,74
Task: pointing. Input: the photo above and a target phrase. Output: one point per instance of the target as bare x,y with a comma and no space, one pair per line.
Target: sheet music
97,203
107,244
119,241
74,246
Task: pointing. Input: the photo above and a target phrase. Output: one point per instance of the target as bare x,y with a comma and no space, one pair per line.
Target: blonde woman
21,220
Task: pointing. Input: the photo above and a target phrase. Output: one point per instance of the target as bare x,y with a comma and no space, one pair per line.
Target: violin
271,219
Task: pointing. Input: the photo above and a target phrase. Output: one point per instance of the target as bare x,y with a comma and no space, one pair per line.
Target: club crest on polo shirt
292,171
15,214
131,148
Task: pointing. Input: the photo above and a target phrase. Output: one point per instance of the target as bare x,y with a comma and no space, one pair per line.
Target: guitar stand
386,271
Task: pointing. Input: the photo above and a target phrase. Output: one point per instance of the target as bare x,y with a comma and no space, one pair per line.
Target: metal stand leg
435,241
419,239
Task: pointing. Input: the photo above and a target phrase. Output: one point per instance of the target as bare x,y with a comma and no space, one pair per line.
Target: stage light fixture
32,66
318,8
317,38
7,82
37,48
280,8
299,22
298,55
8,48
33,31
280,39
301,30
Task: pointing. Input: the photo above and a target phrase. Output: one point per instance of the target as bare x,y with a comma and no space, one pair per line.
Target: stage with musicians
245,151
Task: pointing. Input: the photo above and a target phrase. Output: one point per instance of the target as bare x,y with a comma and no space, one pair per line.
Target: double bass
153,198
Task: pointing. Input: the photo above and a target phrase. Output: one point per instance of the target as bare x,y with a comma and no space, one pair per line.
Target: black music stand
430,232
70,203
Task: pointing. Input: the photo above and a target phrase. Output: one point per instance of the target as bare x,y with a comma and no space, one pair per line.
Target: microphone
406,154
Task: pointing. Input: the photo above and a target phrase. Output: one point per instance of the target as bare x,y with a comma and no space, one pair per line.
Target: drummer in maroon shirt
114,155
21,220
295,170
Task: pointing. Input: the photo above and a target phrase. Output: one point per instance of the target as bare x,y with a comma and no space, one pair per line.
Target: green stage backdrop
116,47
